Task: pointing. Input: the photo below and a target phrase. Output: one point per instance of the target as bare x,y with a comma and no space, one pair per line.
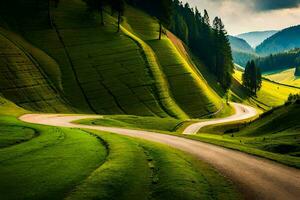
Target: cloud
267,5
260,5
241,16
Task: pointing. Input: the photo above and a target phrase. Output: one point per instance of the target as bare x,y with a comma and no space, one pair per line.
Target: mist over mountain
242,52
257,37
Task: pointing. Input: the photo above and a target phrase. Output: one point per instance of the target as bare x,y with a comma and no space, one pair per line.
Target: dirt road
242,112
256,178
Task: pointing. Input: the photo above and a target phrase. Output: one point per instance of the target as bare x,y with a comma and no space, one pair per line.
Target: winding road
257,178
242,112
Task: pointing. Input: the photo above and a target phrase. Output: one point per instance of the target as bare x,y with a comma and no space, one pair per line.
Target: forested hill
280,61
282,41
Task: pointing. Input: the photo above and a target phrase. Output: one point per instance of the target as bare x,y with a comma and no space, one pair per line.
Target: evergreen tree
118,6
252,78
206,19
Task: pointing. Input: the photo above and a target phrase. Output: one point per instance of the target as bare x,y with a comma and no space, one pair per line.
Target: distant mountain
284,40
242,52
257,37
238,44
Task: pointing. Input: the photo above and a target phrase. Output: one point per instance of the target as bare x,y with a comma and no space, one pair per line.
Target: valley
146,105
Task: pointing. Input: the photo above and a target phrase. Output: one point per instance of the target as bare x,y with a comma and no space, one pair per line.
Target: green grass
136,169
112,73
41,162
23,82
47,166
136,122
102,71
11,135
270,96
285,77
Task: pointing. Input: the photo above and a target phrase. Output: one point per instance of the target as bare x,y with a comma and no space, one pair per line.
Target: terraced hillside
23,81
190,91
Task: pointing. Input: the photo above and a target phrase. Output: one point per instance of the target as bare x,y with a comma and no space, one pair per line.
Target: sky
240,16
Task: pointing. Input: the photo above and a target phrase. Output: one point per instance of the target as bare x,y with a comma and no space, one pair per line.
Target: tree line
279,61
252,78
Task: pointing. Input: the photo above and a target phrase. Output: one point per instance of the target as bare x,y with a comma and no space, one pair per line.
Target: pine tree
206,19
252,78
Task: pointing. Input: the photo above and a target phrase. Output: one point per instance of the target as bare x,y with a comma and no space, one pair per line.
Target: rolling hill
106,72
257,37
284,40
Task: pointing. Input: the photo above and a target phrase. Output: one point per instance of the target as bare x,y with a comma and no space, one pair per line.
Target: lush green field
41,162
270,96
285,77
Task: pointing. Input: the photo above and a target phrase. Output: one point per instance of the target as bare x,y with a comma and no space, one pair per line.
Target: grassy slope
285,77
92,82
271,94
136,122
268,136
182,79
102,71
43,162
23,81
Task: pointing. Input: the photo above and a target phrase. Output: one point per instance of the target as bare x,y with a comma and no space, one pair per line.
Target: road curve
242,112
256,178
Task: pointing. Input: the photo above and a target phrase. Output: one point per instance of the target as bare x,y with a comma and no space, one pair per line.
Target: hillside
23,81
282,41
285,77
270,96
257,37
238,44
97,73
242,52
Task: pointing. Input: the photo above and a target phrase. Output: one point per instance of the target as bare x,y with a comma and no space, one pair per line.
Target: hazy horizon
242,16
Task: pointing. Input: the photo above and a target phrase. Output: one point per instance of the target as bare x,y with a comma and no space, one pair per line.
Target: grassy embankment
286,77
